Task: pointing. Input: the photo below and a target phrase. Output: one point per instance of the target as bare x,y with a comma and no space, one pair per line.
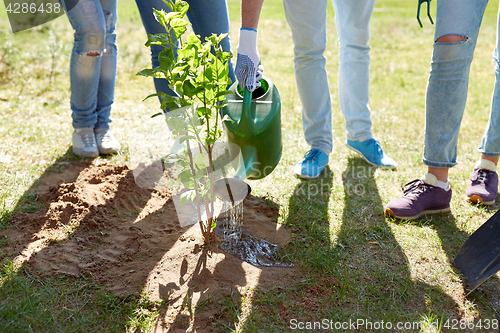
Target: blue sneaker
372,152
312,164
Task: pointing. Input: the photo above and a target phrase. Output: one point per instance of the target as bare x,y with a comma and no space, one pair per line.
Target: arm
250,13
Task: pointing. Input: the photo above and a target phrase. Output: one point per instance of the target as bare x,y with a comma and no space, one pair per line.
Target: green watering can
254,129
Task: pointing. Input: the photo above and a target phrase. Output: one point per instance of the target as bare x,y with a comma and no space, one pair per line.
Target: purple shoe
420,198
483,187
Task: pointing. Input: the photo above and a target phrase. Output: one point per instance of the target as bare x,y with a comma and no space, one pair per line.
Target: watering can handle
246,120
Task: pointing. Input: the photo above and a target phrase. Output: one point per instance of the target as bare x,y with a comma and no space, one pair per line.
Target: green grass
356,263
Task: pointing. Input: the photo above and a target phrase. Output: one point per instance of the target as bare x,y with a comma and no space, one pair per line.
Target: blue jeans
448,84
93,62
307,20
207,17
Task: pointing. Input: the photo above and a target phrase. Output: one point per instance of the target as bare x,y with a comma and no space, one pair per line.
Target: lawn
356,264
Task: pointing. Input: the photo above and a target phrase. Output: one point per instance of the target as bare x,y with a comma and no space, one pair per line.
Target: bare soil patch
97,222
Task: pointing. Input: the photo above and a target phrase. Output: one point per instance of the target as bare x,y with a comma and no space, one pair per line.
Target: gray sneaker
84,142
420,197
106,142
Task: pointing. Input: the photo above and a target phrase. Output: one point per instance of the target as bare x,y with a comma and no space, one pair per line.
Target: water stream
243,244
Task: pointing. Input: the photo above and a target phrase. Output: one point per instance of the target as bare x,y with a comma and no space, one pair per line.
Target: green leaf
187,196
186,178
179,27
189,89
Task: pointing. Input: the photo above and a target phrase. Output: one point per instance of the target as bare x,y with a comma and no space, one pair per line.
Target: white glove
248,71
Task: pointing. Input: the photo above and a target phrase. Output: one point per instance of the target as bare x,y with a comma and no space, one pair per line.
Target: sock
485,164
430,179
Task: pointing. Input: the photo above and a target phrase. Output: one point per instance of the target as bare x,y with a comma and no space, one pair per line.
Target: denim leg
448,79
307,20
352,19
90,41
490,144
152,27
206,17
107,79
211,17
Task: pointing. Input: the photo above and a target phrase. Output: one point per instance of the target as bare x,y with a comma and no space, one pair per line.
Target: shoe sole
476,199
390,167
388,211
307,177
108,151
82,153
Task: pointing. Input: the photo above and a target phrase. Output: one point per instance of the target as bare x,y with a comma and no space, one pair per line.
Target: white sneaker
106,142
84,142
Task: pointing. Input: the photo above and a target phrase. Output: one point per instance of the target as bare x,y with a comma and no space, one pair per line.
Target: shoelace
378,149
415,187
89,139
482,176
312,155
105,138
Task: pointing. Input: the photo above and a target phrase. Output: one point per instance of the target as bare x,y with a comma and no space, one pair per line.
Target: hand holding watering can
248,69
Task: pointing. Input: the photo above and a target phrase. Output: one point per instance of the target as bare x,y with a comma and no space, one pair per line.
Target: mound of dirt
97,222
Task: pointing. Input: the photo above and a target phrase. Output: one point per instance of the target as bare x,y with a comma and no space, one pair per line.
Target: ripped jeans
448,83
93,62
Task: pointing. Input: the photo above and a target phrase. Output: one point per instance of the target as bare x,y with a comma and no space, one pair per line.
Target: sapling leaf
184,138
190,90
186,178
158,39
152,95
201,161
187,196
179,26
161,17
182,7
170,5
157,114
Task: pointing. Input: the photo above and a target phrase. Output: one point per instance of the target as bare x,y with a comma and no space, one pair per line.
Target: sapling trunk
196,75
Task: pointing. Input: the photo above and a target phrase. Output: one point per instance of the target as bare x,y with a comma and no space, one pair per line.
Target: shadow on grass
355,269
375,267
108,248
487,296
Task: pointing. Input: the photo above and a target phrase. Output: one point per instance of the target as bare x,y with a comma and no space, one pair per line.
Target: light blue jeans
448,84
207,17
93,77
307,20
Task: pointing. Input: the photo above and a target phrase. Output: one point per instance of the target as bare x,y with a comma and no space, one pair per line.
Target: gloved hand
248,71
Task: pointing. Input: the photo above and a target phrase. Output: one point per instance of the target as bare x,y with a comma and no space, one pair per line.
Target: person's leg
457,27
483,186
352,19
207,17
107,78
152,27
307,20
211,17
88,22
